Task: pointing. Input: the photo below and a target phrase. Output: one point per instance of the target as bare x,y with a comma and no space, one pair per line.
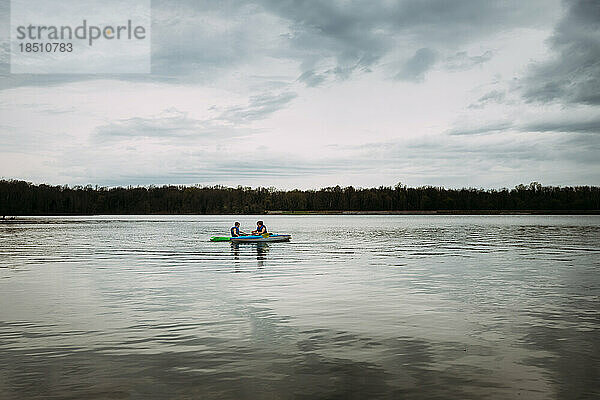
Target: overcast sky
318,93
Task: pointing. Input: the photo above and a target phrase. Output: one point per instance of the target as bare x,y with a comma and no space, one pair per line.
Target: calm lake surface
356,307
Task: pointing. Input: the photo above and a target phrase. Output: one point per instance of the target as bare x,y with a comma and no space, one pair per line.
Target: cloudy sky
308,94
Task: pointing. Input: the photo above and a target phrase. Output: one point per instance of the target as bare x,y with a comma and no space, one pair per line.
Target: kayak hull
261,239
252,239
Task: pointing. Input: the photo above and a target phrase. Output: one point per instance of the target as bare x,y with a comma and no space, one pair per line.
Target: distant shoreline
33,219
23,198
442,212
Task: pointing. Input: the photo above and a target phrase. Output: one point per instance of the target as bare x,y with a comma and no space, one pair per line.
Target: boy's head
237,224
259,223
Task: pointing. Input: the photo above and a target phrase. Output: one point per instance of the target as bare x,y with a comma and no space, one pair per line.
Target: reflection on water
261,253
393,307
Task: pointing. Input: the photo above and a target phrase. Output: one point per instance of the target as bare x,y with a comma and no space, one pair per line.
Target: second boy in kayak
260,229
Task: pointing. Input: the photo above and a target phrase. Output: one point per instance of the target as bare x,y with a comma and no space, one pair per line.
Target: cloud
312,79
169,124
351,37
201,41
173,123
414,69
494,96
513,146
259,107
463,61
572,76
504,159
590,125
486,128
560,123
180,164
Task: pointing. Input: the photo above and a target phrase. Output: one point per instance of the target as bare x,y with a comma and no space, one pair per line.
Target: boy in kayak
235,230
260,229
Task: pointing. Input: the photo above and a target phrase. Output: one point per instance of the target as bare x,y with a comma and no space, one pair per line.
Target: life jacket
262,228
235,231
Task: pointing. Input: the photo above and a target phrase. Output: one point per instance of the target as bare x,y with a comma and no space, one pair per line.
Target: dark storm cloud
359,34
196,41
415,68
201,38
573,75
355,35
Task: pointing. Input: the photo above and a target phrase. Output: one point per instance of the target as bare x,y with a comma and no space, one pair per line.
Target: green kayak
220,238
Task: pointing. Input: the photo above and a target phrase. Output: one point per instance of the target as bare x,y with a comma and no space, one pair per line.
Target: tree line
24,198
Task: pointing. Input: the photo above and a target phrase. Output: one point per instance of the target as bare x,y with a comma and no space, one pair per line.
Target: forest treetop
24,198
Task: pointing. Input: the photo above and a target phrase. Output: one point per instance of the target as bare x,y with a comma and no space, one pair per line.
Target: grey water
354,307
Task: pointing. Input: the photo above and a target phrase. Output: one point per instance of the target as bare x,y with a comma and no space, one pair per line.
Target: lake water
354,307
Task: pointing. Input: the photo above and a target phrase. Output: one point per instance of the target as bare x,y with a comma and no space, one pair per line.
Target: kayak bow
220,238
